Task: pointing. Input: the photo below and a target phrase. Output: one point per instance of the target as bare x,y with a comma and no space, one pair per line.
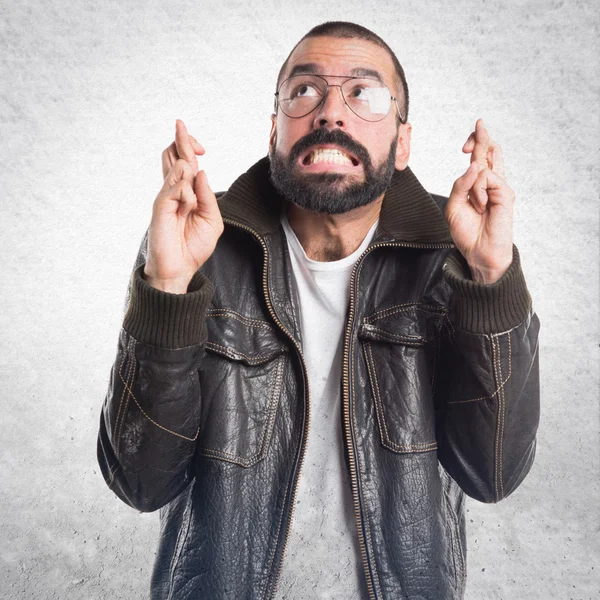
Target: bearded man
316,368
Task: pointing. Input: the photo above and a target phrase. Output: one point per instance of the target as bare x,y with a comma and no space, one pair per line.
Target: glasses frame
329,86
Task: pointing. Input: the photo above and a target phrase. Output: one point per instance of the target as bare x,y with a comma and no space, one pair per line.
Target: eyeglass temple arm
398,109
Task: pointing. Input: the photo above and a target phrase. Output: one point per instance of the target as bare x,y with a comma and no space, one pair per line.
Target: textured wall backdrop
90,97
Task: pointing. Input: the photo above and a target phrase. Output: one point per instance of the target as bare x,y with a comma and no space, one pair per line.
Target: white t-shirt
322,556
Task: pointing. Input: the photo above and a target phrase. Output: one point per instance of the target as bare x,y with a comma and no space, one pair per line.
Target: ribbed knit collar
408,212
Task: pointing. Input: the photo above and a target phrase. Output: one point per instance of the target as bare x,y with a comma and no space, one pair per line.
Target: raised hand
480,209
186,221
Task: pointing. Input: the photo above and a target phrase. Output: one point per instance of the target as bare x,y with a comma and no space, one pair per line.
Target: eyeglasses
367,98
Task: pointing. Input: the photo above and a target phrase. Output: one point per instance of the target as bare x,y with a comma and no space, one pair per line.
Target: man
314,369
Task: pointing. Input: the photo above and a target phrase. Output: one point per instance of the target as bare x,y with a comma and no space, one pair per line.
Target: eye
304,90
359,92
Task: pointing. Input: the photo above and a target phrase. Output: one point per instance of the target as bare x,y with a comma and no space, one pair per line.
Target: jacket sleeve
487,394
150,417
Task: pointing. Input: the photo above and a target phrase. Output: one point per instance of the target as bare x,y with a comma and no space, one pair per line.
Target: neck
332,237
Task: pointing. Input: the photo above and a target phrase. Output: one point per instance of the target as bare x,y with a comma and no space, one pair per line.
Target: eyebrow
313,69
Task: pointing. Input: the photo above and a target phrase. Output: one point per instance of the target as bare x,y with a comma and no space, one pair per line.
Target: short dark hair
344,29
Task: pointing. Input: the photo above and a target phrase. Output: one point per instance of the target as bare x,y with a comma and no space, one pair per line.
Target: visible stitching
504,405
130,375
498,378
128,397
391,310
116,426
233,353
379,407
227,312
120,371
272,558
503,411
499,389
272,411
189,439
400,336
376,581
375,387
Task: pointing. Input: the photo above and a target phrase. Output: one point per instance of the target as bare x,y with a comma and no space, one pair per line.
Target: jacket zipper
304,371
345,399
346,374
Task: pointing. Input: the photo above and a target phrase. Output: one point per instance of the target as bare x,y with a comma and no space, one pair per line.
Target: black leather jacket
208,408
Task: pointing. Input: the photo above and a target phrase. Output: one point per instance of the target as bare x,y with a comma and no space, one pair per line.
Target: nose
332,112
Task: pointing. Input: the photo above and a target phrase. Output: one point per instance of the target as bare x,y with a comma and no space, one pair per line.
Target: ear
403,147
273,134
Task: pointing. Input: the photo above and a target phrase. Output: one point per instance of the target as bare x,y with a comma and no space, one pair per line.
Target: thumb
207,202
461,187
201,186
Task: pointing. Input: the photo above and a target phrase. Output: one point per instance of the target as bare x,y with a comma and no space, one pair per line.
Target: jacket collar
408,212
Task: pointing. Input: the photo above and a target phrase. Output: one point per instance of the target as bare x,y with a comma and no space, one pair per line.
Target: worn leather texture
212,433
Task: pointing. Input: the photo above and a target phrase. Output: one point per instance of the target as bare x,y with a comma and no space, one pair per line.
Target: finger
184,146
207,202
169,158
171,196
180,171
198,148
170,155
478,194
469,144
496,159
461,187
481,146
485,191
498,190
187,198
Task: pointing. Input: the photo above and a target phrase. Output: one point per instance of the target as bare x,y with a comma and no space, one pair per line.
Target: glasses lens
300,94
368,98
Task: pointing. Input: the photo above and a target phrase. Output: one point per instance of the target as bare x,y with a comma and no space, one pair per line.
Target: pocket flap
240,338
410,325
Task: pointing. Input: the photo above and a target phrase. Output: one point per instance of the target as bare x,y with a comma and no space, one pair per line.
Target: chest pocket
241,382
400,350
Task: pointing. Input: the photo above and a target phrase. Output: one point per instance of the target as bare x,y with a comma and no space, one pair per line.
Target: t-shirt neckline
334,265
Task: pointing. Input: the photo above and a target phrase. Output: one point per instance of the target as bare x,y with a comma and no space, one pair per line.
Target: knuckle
183,166
182,187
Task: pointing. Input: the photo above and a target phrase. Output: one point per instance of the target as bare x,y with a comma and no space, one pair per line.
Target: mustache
335,136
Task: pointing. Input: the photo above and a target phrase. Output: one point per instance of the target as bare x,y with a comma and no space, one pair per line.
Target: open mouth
329,155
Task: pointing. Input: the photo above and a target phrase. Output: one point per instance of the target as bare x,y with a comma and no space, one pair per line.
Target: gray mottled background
90,94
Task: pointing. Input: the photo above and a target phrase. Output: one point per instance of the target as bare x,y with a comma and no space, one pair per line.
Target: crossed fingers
185,147
484,151
484,180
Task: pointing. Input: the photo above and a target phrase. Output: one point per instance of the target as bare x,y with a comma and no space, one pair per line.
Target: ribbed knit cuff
168,320
481,308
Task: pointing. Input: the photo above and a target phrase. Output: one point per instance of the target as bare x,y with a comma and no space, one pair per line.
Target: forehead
342,56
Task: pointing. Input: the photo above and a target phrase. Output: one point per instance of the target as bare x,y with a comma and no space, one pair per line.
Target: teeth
329,155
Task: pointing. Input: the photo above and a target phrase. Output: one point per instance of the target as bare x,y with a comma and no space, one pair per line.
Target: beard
328,192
